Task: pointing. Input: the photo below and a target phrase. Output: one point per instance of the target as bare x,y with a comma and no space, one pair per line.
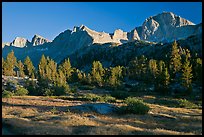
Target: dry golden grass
33,115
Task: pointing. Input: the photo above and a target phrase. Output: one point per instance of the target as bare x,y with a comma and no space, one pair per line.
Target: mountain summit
164,27
39,40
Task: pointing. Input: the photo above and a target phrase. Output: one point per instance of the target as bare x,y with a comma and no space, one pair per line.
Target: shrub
119,94
21,92
61,90
7,94
73,89
86,87
93,97
108,98
54,110
135,106
48,92
186,104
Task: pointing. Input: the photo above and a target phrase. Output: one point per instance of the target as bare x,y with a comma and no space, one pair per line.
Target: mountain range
159,29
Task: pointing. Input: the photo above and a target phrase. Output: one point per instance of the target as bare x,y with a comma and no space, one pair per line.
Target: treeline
54,79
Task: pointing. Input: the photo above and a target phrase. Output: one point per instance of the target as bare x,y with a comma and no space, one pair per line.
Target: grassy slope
43,115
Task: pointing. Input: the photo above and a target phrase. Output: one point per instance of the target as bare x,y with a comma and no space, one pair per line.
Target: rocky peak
20,42
169,18
164,26
5,44
133,35
39,40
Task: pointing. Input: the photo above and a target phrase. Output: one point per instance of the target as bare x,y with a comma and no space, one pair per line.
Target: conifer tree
153,69
21,69
187,71
198,70
161,66
97,73
3,62
89,78
28,67
10,64
61,86
142,65
67,69
115,78
175,60
133,69
61,79
163,77
42,67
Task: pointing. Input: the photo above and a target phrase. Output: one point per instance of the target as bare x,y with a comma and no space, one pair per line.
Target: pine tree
133,69
97,73
175,60
61,86
166,78
67,69
115,77
137,68
161,66
42,67
28,67
153,69
10,64
61,79
53,67
3,62
187,71
163,77
198,70
142,65
89,78
21,69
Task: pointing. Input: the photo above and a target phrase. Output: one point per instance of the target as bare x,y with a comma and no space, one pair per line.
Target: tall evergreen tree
163,77
9,64
21,69
97,73
133,69
161,66
153,69
115,77
187,71
175,60
143,64
29,69
67,69
42,67
198,70
3,62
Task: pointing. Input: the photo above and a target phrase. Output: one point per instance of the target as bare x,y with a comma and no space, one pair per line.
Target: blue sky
48,19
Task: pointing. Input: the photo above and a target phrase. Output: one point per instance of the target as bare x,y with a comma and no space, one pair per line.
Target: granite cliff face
20,42
39,40
23,42
164,27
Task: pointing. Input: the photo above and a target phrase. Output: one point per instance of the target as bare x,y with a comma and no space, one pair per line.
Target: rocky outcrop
39,40
166,27
100,108
133,35
20,42
5,44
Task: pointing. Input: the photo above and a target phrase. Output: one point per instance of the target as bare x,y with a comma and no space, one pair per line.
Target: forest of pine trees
54,79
